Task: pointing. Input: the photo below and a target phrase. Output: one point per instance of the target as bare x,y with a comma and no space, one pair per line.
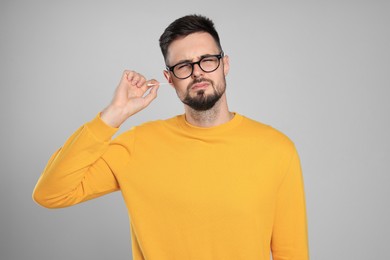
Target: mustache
195,81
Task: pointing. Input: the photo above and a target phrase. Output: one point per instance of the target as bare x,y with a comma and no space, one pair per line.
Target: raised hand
130,97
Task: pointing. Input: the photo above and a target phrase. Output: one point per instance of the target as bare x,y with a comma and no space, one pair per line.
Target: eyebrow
187,61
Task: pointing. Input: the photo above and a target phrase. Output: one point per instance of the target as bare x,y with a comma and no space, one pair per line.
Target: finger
136,79
151,95
141,81
128,75
147,84
152,82
132,77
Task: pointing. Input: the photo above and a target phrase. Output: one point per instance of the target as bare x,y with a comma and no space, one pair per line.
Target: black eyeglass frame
218,56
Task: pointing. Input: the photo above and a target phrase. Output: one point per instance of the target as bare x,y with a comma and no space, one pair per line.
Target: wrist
113,116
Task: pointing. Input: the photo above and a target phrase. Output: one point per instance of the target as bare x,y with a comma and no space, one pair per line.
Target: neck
217,115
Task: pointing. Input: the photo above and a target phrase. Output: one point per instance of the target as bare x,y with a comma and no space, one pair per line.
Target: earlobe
168,77
226,65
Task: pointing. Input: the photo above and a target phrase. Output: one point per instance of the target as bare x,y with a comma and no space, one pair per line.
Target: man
209,184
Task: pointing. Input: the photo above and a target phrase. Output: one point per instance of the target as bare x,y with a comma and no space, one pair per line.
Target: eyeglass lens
207,64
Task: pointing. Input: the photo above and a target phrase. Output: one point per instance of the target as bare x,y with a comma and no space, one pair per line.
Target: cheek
180,87
181,84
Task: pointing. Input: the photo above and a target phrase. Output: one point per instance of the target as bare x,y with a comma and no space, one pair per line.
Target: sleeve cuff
100,129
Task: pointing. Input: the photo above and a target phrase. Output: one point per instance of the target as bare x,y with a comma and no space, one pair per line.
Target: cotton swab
154,84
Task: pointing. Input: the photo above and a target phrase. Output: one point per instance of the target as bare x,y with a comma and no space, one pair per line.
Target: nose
197,71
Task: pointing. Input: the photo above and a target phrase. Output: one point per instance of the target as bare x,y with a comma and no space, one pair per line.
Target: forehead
191,47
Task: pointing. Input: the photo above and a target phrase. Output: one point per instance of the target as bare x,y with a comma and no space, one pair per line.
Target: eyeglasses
207,63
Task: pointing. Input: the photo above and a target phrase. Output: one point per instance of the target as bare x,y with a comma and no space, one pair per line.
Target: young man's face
202,89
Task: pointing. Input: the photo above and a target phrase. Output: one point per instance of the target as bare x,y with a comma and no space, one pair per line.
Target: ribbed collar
215,130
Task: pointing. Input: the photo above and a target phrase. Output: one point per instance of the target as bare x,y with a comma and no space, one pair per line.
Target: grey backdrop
318,71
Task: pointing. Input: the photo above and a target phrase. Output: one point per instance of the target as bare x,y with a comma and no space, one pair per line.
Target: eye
209,59
183,66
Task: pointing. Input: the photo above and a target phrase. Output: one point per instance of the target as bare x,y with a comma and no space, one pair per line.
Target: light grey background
316,70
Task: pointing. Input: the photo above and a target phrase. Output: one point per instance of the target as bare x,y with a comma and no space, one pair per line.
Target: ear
226,65
168,77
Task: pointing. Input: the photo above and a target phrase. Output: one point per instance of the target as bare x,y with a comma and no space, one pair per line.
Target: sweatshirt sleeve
290,233
78,171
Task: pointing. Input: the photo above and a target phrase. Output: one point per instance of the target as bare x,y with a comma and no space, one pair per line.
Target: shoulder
267,134
147,128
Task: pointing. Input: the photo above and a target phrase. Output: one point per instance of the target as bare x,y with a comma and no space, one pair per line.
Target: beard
201,101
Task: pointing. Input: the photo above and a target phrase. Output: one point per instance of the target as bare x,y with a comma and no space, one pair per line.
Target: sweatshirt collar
234,122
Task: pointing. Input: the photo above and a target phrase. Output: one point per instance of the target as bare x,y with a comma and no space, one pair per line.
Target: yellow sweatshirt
234,191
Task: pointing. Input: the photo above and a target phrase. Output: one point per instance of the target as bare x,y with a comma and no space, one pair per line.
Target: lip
200,85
